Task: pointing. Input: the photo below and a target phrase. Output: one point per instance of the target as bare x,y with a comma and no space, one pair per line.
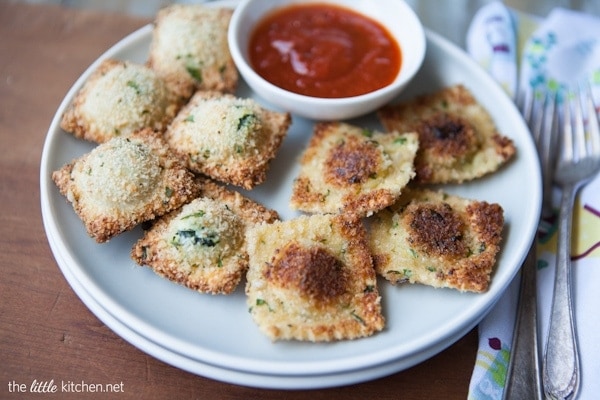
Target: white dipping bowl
395,15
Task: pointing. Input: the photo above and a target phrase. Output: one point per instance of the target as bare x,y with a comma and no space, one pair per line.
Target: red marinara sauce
324,50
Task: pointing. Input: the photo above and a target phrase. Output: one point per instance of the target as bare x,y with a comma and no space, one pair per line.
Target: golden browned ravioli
312,279
458,140
124,182
230,139
202,245
350,169
437,239
189,49
118,99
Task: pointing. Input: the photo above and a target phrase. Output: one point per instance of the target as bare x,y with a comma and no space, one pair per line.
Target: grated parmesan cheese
204,233
223,128
124,182
119,173
228,138
126,98
189,49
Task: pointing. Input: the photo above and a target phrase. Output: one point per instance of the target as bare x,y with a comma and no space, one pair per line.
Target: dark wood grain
46,332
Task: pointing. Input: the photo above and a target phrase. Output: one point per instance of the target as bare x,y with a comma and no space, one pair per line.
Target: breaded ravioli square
124,182
458,140
189,49
227,138
312,279
349,169
118,99
437,239
202,245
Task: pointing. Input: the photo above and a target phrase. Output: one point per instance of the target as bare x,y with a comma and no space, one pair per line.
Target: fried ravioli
124,182
353,170
437,239
230,139
189,49
202,244
118,99
458,140
312,279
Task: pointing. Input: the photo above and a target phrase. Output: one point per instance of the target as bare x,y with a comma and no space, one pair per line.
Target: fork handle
561,362
523,380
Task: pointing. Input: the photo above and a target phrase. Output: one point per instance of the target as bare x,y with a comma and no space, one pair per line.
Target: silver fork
523,378
578,162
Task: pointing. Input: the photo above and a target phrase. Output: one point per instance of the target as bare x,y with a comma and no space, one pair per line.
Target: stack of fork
566,131
560,52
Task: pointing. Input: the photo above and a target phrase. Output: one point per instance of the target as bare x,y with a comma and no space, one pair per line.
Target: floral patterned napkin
555,53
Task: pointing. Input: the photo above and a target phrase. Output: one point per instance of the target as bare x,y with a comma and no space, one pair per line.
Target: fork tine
525,103
594,122
567,151
548,126
540,112
538,116
546,142
579,138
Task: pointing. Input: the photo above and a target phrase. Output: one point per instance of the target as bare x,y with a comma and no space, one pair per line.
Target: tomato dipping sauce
324,50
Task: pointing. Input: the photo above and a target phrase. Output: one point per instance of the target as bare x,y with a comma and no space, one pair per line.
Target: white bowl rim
405,74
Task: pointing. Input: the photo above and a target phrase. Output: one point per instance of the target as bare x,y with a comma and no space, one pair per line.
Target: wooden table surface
46,332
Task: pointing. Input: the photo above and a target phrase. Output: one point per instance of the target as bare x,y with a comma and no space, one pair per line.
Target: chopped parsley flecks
195,73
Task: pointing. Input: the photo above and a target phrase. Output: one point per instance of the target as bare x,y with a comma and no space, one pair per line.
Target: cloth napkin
555,53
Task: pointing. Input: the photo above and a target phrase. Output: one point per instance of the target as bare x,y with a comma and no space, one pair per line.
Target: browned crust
367,203
320,131
303,192
438,239
454,132
437,230
314,272
351,162
347,168
334,292
443,137
102,227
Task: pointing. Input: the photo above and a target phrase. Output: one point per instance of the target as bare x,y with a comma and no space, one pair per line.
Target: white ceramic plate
214,336
242,377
